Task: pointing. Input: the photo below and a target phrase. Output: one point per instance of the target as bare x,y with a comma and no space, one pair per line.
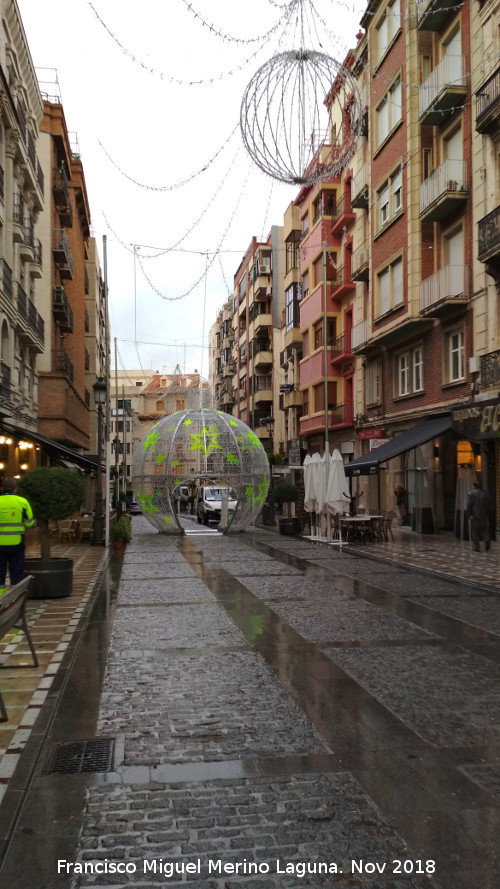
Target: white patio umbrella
314,483
337,497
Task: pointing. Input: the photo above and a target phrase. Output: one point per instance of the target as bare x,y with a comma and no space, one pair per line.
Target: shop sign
375,443
365,434
480,420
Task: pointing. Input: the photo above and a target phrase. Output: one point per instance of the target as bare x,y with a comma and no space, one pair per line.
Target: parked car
134,508
209,503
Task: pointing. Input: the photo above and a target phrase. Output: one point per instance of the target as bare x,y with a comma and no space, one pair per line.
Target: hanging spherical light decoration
285,117
205,446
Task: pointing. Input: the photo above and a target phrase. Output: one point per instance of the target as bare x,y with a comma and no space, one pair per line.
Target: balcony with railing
18,211
444,191
445,292
342,415
63,364
30,326
36,268
2,183
433,14
61,310
359,189
444,90
6,278
343,214
62,253
359,335
342,284
489,239
488,105
341,350
360,268
5,390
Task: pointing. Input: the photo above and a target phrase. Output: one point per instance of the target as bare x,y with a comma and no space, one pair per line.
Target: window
409,371
390,200
390,286
291,307
455,356
292,252
319,396
373,386
389,111
387,28
318,333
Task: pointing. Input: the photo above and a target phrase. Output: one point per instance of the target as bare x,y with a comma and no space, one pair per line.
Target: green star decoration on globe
232,460
150,440
160,459
200,443
262,489
146,501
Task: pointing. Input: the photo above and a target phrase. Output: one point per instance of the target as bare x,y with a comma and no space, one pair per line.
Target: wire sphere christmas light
285,121
205,445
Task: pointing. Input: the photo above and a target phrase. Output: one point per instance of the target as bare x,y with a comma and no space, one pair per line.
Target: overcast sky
129,78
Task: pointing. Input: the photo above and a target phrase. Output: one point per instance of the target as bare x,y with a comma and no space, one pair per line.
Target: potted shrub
54,493
286,493
121,532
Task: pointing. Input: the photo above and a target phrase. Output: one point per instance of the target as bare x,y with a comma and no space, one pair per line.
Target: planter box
289,526
53,578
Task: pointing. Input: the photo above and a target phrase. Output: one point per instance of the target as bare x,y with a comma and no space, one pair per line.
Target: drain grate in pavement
75,757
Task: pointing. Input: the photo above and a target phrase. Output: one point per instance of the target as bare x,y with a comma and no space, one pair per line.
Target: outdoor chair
386,526
66,529
86,527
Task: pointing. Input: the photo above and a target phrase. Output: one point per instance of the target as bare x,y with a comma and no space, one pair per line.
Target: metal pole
325,374
97,537
107,378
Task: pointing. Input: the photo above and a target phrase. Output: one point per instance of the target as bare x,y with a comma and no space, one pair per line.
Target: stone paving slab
185,589
480,611
159,570
202,708
276,587
173,625
448,696
271,824
487,776
320,620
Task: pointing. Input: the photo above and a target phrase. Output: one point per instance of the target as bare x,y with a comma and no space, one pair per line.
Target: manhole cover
73,757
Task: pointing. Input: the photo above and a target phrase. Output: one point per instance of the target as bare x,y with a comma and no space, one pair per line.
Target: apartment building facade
258,306
415,333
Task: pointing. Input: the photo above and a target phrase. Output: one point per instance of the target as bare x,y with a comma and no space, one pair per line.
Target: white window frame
386,29
455,354
390,198
389,111
410,371
393,275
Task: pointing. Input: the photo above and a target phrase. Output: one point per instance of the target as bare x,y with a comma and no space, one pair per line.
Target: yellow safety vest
15,517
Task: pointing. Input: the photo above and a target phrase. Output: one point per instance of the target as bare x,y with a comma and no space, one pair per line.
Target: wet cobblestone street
283,715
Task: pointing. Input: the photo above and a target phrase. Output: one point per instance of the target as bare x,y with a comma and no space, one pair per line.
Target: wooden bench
12,616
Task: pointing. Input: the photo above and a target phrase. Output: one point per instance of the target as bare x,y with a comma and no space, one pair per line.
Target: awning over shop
419,434
53,447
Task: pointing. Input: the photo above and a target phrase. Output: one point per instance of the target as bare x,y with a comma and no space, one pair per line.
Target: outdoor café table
358,526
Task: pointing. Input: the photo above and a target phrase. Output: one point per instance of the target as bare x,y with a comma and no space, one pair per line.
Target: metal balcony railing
449,72
489,233
448,282
449,176
359,334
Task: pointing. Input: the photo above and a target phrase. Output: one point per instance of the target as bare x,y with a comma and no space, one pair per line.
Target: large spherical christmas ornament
197,447
285,119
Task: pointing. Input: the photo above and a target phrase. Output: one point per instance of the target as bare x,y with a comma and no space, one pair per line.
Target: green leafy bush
54,493
284,492
121,529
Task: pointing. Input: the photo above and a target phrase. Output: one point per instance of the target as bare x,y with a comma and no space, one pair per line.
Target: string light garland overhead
287,110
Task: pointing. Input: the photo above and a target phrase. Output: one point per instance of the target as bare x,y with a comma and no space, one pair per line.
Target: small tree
284,492
54,493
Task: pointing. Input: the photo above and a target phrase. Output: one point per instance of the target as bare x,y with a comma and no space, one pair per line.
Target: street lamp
100,392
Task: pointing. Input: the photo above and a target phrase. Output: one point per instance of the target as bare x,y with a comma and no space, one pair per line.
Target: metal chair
85,527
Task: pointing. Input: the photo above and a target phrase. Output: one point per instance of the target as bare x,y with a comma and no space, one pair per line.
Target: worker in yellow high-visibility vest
16,516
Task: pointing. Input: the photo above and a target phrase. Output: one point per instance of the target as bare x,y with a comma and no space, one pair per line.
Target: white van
209,503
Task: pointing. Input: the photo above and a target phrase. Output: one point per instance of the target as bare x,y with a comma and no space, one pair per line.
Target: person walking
16,516
402,504
478,511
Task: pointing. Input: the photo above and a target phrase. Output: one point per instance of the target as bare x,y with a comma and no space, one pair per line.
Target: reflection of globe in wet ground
203,446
